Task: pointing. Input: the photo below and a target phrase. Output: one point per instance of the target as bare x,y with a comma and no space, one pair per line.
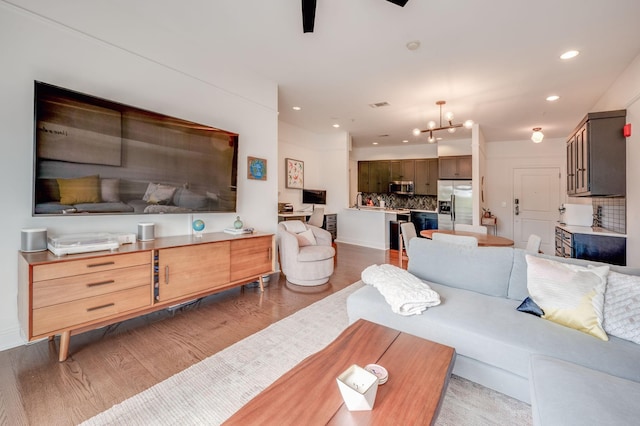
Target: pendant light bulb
537,135
431,124
416,132
468,124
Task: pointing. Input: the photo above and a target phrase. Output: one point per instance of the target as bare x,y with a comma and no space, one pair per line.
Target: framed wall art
295,173
256,168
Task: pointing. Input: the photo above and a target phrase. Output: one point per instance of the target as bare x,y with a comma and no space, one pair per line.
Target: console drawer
67,289
88,265
50,319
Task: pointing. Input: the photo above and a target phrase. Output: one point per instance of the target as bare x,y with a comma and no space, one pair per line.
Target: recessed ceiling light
405,141
375,143
569,54
336,125
413,45
553,98
296,108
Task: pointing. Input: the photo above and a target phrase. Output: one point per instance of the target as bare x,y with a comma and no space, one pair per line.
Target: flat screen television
96,156
314,196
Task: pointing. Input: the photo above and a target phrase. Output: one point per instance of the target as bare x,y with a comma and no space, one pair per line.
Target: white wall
625,94
326,165
501,160
34,48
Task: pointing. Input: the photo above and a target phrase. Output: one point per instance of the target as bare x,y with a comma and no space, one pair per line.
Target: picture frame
294,177
256,168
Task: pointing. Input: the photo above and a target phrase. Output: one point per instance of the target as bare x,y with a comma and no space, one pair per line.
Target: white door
536,193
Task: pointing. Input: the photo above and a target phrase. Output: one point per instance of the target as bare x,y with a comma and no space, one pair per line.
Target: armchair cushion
306,238
315,253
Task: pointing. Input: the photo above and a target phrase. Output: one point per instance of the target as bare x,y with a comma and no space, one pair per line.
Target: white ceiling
493,61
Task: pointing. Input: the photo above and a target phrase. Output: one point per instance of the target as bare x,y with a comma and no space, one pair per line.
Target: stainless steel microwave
401,187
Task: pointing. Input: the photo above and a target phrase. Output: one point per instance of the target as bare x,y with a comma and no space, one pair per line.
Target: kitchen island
367,226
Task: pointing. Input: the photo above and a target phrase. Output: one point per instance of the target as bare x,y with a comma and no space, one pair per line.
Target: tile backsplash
397,201
613,213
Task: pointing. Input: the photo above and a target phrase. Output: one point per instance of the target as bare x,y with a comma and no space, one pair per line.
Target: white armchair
306,258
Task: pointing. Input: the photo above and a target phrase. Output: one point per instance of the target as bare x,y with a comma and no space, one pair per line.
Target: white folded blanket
406,293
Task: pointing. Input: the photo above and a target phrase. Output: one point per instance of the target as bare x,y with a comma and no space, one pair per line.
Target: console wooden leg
64,346
52,337
261,284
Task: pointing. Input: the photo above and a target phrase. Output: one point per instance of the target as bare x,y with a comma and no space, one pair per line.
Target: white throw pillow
570,295
306,238
622,306
110,190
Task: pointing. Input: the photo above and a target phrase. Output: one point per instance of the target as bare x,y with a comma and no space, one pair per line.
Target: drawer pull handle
108,305
100,283
166,274
93,265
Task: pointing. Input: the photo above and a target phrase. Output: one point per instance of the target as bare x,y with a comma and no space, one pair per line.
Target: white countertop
589,230
299,213
380,210
423,211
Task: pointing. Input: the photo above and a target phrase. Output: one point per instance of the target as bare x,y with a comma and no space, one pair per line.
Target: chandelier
448,126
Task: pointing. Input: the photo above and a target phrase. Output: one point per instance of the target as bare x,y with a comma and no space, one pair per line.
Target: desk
484,240
330,222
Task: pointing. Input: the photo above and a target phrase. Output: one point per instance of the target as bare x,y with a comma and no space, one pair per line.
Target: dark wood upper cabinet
455,167
596,156
426,177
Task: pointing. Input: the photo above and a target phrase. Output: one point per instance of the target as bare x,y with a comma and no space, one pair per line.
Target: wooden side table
490,221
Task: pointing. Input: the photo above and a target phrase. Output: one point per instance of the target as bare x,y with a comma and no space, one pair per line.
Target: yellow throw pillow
79,190
570,295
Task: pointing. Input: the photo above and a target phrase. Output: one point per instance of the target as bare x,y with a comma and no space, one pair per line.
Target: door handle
517,210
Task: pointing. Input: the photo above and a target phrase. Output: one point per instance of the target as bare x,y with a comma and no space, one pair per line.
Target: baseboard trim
11,338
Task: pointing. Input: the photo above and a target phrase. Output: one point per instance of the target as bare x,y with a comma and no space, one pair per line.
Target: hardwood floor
109,365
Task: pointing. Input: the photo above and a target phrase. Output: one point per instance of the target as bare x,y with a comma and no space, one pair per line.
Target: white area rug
210,391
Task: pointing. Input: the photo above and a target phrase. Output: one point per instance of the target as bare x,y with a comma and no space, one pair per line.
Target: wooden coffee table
419,372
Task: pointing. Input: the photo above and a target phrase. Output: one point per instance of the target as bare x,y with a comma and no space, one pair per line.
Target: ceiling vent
379,104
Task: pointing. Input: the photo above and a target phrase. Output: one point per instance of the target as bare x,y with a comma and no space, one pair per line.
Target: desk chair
317,217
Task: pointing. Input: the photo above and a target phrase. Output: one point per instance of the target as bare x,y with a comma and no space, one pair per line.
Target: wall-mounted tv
314,196
95,156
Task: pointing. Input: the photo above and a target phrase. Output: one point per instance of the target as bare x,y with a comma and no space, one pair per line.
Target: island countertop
574,229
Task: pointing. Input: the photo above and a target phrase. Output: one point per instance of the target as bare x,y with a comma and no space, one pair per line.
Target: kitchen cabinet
591,246
373,176
363,176
426,177
596,156
455,167
403,170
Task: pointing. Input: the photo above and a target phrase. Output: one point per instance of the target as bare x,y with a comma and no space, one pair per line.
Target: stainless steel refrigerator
454,203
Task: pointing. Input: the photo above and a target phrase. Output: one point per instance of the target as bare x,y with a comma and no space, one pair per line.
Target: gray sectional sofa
521,355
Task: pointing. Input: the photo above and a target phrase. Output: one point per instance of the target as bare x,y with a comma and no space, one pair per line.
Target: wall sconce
537,135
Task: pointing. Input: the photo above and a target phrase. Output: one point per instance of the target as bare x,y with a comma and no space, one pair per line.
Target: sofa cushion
79,190
110,190
570,295
491,331
482,269
622,306
189,199
564,393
